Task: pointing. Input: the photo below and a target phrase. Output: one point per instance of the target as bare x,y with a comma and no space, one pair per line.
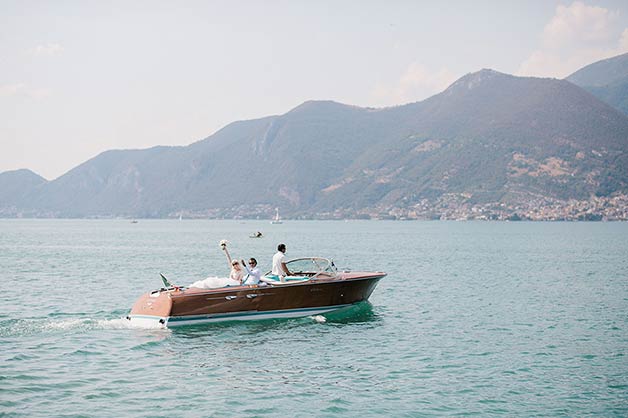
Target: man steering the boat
279,263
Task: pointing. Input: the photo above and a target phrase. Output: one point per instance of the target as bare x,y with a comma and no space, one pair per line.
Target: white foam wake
123,323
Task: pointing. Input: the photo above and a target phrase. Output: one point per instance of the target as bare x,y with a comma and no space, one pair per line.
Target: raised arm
228,256
245,267
223,246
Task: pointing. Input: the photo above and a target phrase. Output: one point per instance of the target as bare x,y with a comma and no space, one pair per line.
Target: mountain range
488,138
607,80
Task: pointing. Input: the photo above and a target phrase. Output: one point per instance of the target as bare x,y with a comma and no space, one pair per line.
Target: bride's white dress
213,282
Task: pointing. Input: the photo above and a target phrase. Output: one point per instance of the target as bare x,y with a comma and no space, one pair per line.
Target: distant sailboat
276,220
180,217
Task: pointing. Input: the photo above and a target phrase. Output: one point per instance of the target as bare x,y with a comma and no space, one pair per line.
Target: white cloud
576,35
579,22
23,90
46,50
623,40
416,83
7,90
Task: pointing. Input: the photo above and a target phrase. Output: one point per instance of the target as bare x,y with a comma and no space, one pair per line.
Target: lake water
474,318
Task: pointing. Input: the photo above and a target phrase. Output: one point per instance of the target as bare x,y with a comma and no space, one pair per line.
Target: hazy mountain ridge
489,137
615,94
601,73
497,130
607,80
15,185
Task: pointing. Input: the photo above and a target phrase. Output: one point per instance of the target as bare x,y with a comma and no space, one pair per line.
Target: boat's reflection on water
360,313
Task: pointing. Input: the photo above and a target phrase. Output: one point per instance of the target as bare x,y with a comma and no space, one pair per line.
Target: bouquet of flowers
223,244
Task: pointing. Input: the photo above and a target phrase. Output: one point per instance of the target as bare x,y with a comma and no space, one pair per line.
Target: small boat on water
257,234
276,220
316,287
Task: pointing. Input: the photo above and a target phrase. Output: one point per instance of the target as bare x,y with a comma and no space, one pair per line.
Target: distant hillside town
449,207
457,207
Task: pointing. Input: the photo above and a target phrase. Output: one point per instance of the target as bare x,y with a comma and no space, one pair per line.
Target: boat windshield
311,265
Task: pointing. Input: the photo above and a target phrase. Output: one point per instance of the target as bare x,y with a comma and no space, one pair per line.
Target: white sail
277,220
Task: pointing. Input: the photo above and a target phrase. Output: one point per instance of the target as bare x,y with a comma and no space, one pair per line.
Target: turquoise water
474,318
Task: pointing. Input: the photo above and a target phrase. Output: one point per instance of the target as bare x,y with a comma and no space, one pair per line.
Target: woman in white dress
236,275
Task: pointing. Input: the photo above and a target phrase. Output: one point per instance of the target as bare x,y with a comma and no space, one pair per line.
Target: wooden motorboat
316,287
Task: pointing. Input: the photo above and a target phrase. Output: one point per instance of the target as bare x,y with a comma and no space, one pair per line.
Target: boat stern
151,310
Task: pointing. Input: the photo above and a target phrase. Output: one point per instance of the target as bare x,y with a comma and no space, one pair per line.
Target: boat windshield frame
320,266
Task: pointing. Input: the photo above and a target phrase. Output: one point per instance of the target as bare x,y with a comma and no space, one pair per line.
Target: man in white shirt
254,273
279,263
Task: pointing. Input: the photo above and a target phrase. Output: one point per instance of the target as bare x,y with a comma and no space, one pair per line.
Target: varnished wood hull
192,306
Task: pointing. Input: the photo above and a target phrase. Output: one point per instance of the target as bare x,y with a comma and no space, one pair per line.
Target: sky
81,77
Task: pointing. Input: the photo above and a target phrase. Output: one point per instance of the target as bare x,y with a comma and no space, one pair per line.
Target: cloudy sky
81,77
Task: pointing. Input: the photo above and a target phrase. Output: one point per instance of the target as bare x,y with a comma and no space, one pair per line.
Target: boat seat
273,279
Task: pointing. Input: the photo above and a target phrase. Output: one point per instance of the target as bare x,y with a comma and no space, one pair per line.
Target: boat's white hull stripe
239,316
